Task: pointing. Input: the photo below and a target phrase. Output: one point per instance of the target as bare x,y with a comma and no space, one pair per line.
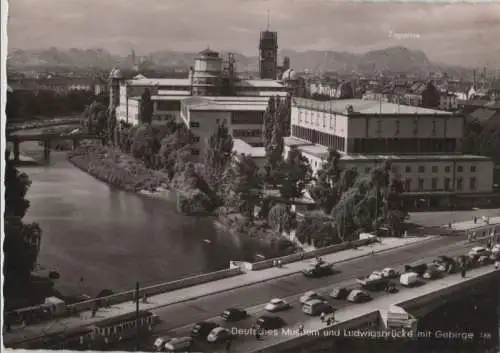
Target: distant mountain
395,59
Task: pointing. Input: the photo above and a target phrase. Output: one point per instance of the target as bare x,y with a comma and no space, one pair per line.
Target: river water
111,238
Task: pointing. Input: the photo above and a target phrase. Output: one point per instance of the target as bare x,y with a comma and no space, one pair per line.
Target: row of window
435,169
403,145
173,106
256,118
247,133
332,120
447,184
328,140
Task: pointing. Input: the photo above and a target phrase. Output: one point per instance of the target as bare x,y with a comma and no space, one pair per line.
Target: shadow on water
111,238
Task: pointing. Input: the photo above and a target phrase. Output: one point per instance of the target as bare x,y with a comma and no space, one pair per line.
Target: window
459,184
367,170
447,184
196,139
193,124
421,169
460,169
472,168
420,185
435,168
408,185
407,169
434,185
196,152
397,127
472,183
434,128
447,169
379,127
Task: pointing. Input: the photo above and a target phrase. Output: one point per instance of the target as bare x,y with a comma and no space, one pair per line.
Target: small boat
208,241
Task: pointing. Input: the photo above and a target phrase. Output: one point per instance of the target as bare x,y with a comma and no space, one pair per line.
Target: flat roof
226,103
294,141
173,93
228,107
264,83
242,147
315,150
364,107
422,157
159,82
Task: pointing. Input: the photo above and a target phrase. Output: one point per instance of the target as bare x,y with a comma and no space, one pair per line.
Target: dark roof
209,52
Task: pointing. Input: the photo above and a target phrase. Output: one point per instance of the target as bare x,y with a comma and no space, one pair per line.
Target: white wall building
423,144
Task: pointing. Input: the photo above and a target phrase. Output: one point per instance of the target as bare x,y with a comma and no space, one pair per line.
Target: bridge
180,307
47,137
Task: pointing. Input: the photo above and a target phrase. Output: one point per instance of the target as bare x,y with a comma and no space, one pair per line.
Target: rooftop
148,82
364,107
401,157
294,141
242,147
227,103
259,84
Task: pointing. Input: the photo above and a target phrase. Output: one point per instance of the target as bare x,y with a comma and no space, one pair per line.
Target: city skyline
456,34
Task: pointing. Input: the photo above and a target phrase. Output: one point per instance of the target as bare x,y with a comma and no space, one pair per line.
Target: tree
176,149
112,127
269,117
95,114
246,185
146,107
281,218
22,241
326,190
275,147
217,156
298,174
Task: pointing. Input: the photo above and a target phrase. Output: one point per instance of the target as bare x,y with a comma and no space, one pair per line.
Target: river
112,238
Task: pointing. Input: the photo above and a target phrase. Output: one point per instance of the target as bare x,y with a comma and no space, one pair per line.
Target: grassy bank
118,169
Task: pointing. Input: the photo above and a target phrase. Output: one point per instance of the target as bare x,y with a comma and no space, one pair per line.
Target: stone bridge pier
16,150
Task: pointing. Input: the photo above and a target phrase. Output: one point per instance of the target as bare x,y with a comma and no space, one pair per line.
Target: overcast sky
463,34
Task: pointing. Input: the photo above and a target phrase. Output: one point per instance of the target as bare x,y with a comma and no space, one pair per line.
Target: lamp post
137,316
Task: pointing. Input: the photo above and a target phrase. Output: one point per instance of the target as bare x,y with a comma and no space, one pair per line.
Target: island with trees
155,157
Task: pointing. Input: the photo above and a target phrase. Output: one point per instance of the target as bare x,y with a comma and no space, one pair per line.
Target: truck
419,269
408,279
375,281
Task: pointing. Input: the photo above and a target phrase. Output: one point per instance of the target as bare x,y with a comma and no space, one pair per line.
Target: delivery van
408,279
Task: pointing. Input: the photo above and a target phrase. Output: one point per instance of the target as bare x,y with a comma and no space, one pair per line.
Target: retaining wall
308,255
158,289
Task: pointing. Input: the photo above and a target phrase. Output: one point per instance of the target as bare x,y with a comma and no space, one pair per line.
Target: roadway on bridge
178,319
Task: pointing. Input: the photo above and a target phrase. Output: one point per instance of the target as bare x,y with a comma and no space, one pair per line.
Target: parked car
374,281
433,272
340,293
267,322
358,296
419,269
218,334
315,307
485,260
160,342
478,251
234,314
277,304
309,296
202,329
389,272
179,344
319,269
408,279
495,249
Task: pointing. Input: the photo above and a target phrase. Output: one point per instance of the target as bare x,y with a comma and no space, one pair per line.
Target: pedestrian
463,271
228,344
257,334
275,263
279,262
328,321
405,234
302,256
322,317
497,264
475,219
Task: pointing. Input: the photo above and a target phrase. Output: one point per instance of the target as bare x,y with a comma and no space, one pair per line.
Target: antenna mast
268,20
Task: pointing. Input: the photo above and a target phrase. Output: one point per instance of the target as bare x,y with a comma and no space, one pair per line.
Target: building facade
424,145
268,50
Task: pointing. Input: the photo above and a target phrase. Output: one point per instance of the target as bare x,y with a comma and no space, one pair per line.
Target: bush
191,202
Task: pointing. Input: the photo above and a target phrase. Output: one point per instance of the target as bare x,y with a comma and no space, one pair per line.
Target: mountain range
394,59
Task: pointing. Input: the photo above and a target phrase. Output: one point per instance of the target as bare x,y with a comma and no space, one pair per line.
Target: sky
454,33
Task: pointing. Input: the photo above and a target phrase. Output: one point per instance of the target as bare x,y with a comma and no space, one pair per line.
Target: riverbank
118,169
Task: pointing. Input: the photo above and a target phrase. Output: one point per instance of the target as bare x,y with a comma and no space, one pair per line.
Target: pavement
470,225
252,284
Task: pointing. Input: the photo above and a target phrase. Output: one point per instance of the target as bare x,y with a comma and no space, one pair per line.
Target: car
433,272
218,334
277,304
316,307
319,269
485,260
358,296
309,296
159,343
495,249
179,344
389,272
478,251
202,329
234,314
340,293
267,322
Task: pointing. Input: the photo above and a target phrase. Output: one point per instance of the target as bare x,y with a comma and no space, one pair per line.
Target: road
178,319
439,218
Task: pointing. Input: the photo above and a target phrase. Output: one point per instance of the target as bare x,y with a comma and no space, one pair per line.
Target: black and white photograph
250,176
